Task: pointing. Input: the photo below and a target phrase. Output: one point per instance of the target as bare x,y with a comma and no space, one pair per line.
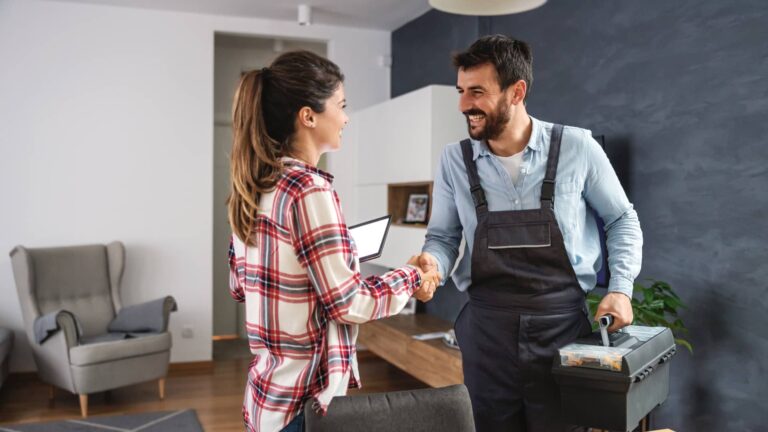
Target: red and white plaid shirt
304,297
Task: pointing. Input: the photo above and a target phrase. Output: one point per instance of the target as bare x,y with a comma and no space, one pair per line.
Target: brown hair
263,124
512,59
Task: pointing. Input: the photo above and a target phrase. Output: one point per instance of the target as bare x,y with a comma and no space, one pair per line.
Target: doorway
234,55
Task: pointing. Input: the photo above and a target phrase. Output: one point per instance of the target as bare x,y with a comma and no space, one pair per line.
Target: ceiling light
485,7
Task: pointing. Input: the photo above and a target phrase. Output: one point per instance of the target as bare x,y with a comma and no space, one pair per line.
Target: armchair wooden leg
161,388
51,393
84,405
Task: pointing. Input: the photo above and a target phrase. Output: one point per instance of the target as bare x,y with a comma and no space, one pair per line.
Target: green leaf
672,303
685,343
662,286
648,295
654,318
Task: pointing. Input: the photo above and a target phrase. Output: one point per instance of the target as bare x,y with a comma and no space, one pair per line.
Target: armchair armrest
151,316
47,325
169,305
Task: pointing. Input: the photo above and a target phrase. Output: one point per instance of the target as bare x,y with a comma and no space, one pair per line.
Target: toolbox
613,387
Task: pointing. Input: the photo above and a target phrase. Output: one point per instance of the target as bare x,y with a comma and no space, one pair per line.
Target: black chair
445,409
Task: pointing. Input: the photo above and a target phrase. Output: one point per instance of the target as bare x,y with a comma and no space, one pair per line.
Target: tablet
370,236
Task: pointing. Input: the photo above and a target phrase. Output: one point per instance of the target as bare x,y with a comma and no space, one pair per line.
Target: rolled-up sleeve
323,246
444,231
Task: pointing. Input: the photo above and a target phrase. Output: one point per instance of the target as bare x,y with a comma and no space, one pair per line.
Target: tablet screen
369,237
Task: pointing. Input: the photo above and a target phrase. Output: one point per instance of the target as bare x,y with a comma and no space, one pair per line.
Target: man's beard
495,122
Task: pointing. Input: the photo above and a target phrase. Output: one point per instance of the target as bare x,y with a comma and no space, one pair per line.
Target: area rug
166,421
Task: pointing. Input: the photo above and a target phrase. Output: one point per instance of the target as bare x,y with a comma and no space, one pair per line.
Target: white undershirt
512,165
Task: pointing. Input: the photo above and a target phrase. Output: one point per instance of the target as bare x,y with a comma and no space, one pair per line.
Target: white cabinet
397,141
371,201
402,243
400,140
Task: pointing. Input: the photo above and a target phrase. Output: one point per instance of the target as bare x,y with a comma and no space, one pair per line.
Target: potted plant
658,307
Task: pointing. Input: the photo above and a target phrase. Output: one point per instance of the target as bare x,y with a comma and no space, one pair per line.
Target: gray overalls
524,303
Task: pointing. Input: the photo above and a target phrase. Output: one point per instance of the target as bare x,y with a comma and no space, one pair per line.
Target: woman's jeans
296,425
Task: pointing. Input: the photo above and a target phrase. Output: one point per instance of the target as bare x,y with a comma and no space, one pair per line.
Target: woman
292,259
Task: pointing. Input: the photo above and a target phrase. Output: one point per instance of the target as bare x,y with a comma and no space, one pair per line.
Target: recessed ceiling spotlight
305,14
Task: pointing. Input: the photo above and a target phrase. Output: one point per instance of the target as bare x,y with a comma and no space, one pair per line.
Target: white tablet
370,236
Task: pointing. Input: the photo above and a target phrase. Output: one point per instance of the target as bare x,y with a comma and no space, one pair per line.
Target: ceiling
373,14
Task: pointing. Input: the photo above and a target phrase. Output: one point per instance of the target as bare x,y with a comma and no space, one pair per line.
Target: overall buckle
478,196
548,192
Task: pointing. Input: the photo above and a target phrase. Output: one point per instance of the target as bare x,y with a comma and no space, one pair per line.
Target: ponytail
255,164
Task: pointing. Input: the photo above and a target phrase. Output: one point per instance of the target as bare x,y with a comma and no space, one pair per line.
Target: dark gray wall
680,89
421,50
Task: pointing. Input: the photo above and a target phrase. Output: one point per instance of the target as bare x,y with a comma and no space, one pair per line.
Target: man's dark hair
511,58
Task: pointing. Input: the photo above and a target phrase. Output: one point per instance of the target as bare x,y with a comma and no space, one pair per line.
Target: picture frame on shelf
418,206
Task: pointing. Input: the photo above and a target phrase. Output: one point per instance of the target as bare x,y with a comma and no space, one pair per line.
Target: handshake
426,265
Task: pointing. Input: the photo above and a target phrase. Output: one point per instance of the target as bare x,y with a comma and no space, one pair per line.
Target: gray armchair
77,289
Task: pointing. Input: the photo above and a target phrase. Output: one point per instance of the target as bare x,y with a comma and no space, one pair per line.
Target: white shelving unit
397,141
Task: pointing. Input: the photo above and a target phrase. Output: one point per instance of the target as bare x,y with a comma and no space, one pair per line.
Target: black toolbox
614,387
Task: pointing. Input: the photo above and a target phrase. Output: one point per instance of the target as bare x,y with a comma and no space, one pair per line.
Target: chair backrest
446,409
73,278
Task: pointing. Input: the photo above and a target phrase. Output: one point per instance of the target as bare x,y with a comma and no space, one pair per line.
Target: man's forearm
624,239
445,254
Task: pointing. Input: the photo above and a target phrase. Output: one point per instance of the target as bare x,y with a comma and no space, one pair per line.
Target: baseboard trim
23,376
182,368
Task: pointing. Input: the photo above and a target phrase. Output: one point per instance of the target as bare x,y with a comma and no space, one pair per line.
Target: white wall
106,130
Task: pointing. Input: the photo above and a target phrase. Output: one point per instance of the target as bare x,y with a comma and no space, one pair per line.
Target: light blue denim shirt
585,177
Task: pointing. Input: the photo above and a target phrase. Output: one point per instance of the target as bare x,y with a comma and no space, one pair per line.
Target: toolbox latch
668,355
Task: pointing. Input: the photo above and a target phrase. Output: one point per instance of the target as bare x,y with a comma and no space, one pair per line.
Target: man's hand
430,279
427,262
618,305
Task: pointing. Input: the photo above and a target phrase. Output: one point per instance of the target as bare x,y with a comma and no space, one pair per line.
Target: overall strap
478,196
548,187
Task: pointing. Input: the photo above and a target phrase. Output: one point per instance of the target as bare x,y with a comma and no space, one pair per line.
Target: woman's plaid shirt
304,297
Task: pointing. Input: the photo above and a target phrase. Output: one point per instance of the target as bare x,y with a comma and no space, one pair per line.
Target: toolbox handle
605,321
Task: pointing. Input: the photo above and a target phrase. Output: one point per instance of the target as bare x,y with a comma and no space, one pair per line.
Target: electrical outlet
187,332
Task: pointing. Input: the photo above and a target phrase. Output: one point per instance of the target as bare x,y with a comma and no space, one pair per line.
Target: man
518,191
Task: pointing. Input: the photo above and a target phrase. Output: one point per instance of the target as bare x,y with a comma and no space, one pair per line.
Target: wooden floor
215,395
